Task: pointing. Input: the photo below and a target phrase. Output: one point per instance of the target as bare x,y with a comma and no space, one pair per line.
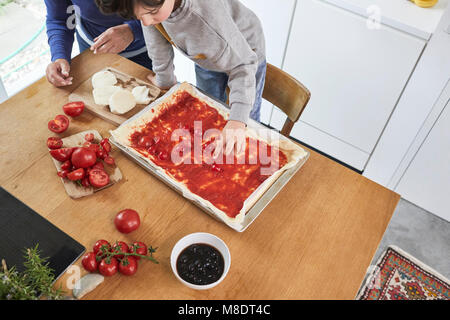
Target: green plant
36,282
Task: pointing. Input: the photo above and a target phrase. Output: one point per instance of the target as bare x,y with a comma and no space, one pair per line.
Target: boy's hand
152,78
113,40
233,136
57,73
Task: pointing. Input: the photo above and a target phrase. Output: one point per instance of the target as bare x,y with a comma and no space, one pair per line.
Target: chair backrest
287,93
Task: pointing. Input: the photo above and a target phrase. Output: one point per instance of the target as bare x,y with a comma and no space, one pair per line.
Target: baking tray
259,205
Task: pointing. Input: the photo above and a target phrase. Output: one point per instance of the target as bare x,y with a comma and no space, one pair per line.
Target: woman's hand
57,73
114,40
233,137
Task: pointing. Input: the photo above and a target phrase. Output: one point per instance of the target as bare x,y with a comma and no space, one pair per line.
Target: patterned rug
399,276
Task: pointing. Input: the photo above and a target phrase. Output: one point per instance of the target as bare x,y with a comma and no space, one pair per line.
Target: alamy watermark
208,147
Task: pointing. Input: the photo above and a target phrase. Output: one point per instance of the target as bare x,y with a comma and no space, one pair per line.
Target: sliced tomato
98,178
94,147
163,155
67,165
73,109
146,142
109,160
63,173
59,124
89,137
105,145
54,143
101,154
98,165
85,182
77,174
62,154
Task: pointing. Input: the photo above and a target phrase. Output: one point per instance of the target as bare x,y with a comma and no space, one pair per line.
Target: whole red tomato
54,143
139,248
83,158
98,178
73,109
59,124
89,262
127,220
77,174
128,266
119,246
62,154
101,243
108,267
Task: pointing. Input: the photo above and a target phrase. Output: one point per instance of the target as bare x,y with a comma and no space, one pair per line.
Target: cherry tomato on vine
119,246
128,266
139,248
108,267
89,262
101,243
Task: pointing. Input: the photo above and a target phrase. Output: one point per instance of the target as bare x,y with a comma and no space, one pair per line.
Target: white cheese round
103,79
102,94
121,101
140,93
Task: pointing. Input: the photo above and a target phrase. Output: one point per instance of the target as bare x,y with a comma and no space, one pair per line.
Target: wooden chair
287,93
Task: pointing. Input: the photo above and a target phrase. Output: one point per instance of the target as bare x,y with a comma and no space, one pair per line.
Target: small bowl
200,237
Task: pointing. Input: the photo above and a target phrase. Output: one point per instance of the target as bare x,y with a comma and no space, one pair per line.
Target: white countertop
400,14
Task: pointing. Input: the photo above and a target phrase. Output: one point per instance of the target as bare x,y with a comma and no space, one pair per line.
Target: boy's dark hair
125,8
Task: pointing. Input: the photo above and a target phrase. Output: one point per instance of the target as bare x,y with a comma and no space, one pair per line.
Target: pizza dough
102,94
103,79
140,93
121,101
293,152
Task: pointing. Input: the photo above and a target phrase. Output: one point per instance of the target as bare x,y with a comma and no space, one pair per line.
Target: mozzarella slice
103,79
140,93
121,101
102,94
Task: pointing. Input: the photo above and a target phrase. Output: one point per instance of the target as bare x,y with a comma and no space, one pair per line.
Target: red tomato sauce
225,184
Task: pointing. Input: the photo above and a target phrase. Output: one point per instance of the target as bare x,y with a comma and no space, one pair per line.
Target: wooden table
315,240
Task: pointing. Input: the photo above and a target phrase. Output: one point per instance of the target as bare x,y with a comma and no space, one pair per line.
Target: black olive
200,264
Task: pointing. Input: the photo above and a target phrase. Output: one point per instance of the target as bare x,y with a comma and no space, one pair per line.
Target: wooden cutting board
84,93
74,190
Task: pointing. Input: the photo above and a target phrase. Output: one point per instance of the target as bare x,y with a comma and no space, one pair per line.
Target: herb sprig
35,283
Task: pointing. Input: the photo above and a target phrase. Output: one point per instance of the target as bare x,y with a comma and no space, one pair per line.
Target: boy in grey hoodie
224,39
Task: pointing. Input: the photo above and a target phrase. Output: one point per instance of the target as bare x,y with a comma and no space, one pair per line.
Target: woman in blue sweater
94,30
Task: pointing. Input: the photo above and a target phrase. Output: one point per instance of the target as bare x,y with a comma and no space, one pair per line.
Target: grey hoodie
218,35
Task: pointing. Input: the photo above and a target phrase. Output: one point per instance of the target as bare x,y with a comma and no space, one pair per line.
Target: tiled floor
421,234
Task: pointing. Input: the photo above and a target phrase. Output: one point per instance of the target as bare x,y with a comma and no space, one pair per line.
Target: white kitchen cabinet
402,136
426,182
276,21
355,74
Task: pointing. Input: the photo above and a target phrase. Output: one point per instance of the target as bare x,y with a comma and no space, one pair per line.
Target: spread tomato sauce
226,184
